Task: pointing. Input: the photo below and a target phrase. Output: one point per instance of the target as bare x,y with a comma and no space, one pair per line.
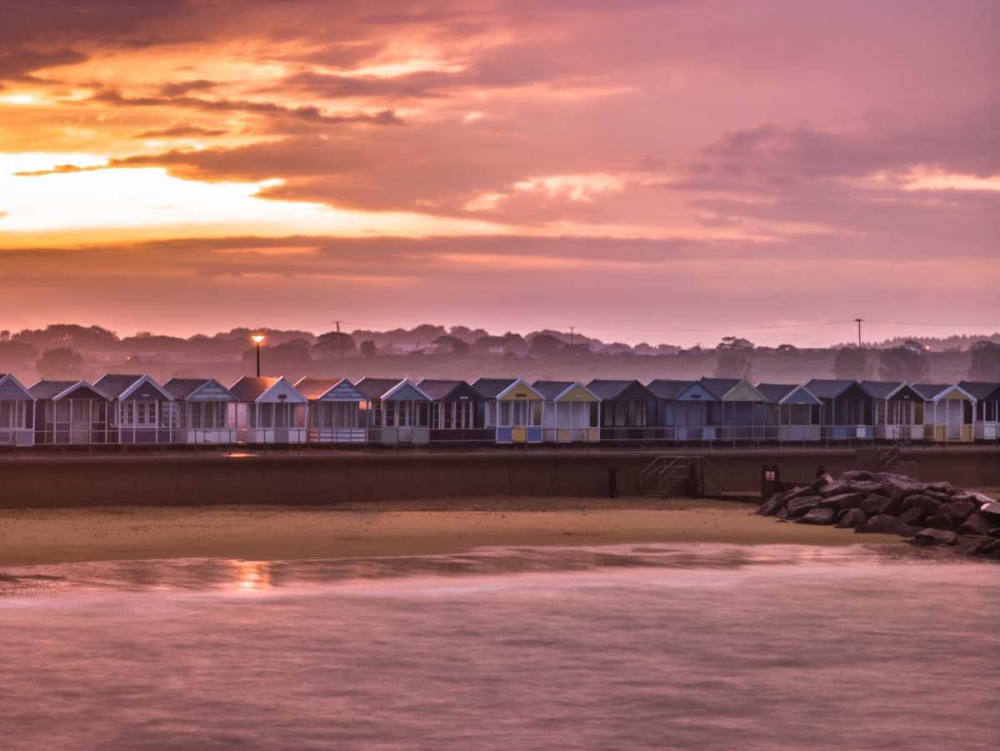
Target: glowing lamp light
257,338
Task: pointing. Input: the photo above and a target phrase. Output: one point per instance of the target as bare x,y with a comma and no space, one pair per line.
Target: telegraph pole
859,322
861,351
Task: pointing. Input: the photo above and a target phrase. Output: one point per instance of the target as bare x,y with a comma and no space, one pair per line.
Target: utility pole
859,322
338,326
861,351
572,334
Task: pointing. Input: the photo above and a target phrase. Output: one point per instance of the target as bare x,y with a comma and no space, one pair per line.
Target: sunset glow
573,138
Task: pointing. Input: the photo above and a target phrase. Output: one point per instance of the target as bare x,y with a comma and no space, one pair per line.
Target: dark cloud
181,131
306,113
180,88
20,64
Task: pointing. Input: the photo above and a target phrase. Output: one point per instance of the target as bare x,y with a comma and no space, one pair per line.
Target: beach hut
793,413
848,410
338,412
458,412
400,411
671,414
740,409
571,413
201,411
949,413
513,409
268,410
141,410
71,413
899,410
17,413
987,397
628,410
696,413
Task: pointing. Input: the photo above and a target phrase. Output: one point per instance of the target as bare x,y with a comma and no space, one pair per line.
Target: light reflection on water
625,647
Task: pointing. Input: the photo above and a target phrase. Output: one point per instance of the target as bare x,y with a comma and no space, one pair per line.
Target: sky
664,171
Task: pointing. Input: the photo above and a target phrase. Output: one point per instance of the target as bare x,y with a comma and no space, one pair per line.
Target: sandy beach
45,536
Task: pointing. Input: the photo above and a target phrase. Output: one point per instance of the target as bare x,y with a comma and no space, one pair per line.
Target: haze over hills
74,351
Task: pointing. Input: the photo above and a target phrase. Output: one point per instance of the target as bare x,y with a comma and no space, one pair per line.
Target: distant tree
5,335
59,363
334,344
16,355
581,348
495,345
849,363
287,357
512,341
451,345
733,363
786,349
368,348
734,343
544,345
904,364
81,338
985,361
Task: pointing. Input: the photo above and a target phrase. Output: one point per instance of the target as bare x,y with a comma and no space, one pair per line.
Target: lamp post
258,339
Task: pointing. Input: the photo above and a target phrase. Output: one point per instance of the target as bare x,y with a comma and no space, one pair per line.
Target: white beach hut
201,411
337,410
17,413
71,413
987,396
268,410
949,413
572,413
141,410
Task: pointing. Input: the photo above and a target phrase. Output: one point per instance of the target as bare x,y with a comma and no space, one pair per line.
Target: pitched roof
448,390
115,384
934,391
312,387
981,389
517,384
665,388
182,388
930,390
373,388
828,388
608,390
773,393
881,389
719,387
11,388
53,389
551,389
491,387
249,389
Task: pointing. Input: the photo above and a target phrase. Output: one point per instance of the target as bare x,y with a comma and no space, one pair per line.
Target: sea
628,647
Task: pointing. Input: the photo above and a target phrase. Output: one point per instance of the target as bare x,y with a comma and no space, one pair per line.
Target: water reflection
259,577
252,576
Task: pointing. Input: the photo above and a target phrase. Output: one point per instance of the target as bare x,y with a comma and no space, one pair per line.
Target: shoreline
391,528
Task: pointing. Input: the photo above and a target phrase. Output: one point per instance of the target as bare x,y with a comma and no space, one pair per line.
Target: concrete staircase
693,476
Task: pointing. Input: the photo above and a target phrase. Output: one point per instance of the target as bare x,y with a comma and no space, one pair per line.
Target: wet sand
45,536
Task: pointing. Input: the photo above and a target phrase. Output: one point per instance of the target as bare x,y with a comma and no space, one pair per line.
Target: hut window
504,420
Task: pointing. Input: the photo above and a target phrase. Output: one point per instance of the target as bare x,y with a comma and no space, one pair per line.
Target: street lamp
257,339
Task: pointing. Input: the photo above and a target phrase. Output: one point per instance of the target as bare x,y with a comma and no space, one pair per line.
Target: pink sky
663,171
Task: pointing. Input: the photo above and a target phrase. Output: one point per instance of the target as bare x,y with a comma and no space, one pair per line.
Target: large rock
912,516
976,524
821,481
831,488
842,501
864,486
921,500
938,521
989,549
885,525
802,505
771,506
819,516
970,545
957,511
899,486
875,505
934,537
851,518
991,511
943,487
860,474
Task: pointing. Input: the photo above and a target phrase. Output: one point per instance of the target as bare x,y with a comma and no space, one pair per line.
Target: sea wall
320,478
